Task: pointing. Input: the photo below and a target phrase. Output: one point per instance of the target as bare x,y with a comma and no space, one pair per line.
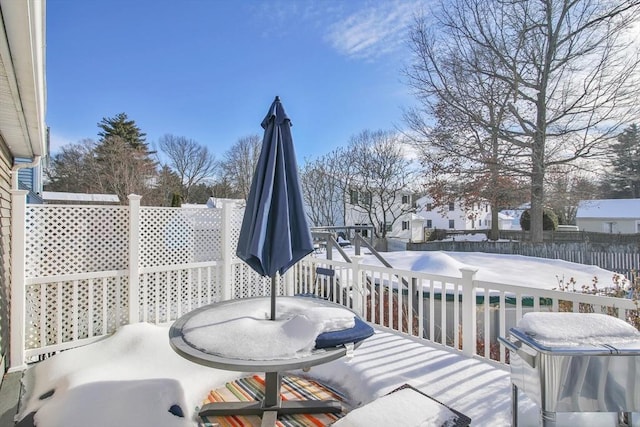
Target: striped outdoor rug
293,388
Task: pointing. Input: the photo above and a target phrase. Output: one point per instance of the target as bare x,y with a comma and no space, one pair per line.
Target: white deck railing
81,272
459,312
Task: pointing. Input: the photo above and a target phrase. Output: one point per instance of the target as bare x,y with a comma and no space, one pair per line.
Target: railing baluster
59,314
487,325
443,314
90,308
105,307
43,315
432,311
502,319
157,302
457,325
74,310
420,302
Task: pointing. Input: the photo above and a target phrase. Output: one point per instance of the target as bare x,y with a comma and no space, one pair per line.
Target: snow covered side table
575,362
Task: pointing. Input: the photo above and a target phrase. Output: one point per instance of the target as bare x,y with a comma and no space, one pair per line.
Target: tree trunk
537,189
494,234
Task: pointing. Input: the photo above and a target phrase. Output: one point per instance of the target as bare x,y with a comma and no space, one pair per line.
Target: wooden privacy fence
619,258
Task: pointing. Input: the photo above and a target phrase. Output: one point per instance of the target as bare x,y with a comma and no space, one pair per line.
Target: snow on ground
134,377
508,269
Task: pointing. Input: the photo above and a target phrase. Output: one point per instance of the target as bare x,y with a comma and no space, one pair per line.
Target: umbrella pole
273,296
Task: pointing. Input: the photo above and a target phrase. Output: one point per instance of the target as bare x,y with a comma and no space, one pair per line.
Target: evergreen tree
124,161
624,181
122,127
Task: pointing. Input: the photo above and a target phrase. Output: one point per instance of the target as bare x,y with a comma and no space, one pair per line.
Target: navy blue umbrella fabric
275,233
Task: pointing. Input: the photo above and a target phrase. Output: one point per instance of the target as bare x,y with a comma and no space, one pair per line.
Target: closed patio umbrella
275,233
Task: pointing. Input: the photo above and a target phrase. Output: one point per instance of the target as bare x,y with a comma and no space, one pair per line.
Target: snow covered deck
133,377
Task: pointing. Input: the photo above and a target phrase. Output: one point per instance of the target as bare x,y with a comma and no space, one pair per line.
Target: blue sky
209,69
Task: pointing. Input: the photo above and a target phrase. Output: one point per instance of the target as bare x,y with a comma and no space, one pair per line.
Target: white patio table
272,405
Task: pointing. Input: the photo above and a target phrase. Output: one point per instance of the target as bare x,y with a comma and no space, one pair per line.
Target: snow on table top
242,329
573,329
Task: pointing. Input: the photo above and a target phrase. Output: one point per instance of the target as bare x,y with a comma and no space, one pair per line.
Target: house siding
5,252
620,225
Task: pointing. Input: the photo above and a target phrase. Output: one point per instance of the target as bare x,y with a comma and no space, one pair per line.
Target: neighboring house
453,216
609,216
506,222
425,215
515,215
30,178
355,216
58,197
23,133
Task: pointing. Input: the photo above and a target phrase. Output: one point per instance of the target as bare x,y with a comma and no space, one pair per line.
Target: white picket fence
80,272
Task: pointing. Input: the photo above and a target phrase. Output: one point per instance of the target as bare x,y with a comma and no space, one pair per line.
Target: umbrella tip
277,98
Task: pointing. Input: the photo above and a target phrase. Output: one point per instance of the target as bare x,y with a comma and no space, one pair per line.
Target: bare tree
324,182
112,166
239,164
191,161
381,174
566,186
72,169
123,170
564,69
167,187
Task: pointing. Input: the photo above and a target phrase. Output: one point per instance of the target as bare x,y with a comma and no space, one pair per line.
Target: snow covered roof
58,196
213,202
609,208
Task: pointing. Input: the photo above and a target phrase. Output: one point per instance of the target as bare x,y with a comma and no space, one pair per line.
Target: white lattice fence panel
75,239
247,283
68,311
166,295
173,236
234,230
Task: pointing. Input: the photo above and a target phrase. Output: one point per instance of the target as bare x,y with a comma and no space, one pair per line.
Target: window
363,232
452,206
429,207
405,225
452,223
385,227
354,197
406,199
366,198
486,208
608,227
637,226
429,223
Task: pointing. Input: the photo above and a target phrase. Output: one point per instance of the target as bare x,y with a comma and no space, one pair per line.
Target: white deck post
468,311
289,279
356,290
18,275
134,258
227,251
